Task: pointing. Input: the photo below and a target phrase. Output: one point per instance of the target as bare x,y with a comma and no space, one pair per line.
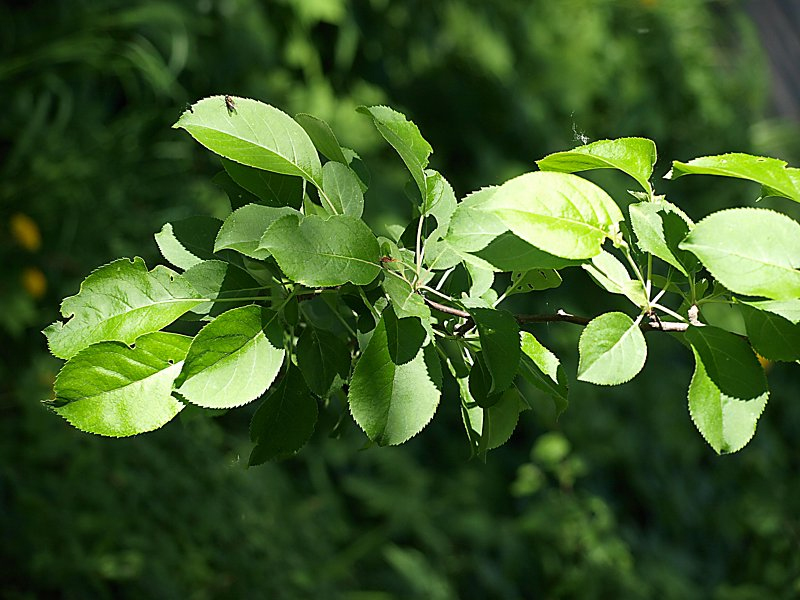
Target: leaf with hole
120,301
114,390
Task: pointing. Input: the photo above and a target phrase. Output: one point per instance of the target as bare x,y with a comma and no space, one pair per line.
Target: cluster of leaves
293,298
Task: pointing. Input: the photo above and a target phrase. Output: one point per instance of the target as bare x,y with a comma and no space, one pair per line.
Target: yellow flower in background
34,282
26,232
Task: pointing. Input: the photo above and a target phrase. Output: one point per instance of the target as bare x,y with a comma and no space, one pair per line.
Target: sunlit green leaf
543,370
120,301
253,134
244,227
111,389
318,251
773,175
397,382
323,137
660,227
634,156
611,275
612,350
788,309
439,201
752,251
233,359
217,279
559,213
403,136
189,241
343,189
728,390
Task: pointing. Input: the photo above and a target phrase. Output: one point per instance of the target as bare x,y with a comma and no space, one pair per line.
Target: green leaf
439,201
233,359
111,389
285,420
321,356
218,279
523,282
729,361
491,427
611,275
325,252
406,302
543,370
772,336
612,350
189,241
788,309
343,189
471,229
481,278
253,134
507,252
120,301
771,173
244,227
480,383
396,384
499,335
728,392
559,213
751,251
273,189
634,156
403,136
323,137
660,227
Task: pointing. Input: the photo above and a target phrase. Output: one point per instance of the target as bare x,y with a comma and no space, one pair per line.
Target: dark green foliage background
620,498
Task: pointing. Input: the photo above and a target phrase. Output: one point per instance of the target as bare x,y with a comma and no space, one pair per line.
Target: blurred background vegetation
619,498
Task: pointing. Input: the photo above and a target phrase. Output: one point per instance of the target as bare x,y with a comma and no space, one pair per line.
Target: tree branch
561,316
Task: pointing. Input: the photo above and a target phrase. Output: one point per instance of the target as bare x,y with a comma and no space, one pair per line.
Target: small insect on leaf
230,105
388,259
189,107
